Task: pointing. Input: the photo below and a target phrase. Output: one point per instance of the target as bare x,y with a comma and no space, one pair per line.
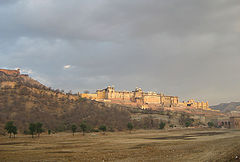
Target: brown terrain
24,100
140,145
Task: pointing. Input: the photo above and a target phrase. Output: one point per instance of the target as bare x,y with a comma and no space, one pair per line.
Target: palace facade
142,98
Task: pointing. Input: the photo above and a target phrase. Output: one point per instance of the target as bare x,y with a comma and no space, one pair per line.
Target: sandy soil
141,145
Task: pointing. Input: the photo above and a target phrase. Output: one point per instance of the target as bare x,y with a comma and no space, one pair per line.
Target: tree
162,125
49,131
74,128
14,131
83,127
39,129
103,128
183,118
11,128
171,125
210,124
130,126
189,122
32,128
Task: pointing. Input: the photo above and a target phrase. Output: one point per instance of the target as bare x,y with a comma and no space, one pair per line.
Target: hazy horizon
187,48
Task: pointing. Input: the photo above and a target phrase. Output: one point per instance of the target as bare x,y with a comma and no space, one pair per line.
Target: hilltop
7,80
227,107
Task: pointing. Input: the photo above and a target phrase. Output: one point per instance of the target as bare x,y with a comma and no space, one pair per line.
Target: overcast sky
187,48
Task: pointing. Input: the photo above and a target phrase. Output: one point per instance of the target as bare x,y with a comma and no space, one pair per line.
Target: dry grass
141,145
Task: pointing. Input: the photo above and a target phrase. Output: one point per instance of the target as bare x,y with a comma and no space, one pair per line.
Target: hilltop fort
137,98
143,99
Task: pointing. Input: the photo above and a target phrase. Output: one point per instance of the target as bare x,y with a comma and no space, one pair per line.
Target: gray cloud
187,48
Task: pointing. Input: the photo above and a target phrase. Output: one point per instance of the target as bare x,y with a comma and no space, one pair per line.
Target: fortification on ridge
11,72
142,99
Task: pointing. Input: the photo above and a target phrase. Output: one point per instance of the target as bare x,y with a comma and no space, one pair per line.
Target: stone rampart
11,72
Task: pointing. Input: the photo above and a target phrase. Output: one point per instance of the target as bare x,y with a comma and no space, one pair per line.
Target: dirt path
142,145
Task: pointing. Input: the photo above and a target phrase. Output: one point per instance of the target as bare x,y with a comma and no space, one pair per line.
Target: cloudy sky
188,48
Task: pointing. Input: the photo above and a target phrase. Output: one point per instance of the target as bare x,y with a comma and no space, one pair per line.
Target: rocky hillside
24,100
20,79
227,107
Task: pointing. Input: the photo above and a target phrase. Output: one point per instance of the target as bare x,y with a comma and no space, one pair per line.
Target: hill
24,100
23,79
227,107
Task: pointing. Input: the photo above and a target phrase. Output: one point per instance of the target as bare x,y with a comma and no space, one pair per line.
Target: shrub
103,128
189,122
94,130
162,125
210,124
83,127
171,125
11,129
130,127
74,128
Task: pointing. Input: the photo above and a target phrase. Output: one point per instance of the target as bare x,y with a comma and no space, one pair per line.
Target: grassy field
140,145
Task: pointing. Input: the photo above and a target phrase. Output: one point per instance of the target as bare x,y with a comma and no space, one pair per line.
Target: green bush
11,128
189,122
74,129
94,130
162,125
83,127
210,124
130,126
103,128
171,125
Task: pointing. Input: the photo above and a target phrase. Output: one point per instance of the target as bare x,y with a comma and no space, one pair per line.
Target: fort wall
143,98
193,104
11,72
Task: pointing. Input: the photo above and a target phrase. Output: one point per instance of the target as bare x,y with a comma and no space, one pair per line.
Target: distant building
233,122
194,104
142,98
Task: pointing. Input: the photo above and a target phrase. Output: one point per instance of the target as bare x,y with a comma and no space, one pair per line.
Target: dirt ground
141,145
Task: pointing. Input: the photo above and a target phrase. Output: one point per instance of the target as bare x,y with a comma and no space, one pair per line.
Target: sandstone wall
141,98
10,72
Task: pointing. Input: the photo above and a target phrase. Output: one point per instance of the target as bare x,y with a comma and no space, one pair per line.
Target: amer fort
137,98
143,99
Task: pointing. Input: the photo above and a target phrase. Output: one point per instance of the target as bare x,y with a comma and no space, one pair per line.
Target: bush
171,125
103,128
162,125
110,129
189,122
11,128
130,126
210,124
94,130
26,132
74,128
83,127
